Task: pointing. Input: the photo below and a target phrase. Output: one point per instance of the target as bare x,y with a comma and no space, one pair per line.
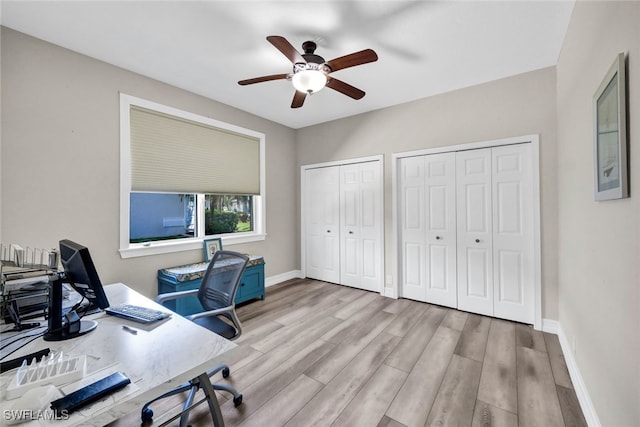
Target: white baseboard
550,326
279,278
588,410
390,292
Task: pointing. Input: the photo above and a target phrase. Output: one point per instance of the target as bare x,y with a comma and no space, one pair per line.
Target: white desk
156,359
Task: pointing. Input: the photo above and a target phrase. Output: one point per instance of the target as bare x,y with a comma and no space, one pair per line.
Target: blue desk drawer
188,277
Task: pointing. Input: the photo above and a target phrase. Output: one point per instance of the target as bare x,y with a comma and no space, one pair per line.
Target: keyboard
137,313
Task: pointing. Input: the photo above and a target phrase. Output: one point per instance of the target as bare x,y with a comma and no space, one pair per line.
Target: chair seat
216,325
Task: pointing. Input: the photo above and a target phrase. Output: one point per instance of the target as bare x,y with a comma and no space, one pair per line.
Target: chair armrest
175,295
210,313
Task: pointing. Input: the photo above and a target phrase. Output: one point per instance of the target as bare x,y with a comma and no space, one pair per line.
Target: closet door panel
412,272
437,269
315,232
350,214
322,224
370,270
513,233
478,274
331,227
412,203
474,208
361,223
412,182
350,256
369,230
440,229
370,226
428,228
509,278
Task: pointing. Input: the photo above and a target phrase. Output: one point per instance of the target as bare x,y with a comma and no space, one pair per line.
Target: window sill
157,248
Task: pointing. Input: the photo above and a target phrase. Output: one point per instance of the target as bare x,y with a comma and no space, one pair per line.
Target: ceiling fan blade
353,59
286,48
298,99
263,79
345,88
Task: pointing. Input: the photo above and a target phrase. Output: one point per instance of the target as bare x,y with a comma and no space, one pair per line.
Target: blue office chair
216,294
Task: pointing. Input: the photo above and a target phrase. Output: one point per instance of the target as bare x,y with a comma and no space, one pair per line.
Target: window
185,177
226,213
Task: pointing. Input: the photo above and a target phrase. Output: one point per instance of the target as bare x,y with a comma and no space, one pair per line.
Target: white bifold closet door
360,225
495,232
429,228
474,203
513,233
322,201
343,216
467,230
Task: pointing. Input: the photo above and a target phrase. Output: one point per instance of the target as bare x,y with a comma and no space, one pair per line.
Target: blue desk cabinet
187,277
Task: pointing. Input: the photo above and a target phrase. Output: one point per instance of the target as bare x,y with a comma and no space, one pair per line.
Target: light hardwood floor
315,353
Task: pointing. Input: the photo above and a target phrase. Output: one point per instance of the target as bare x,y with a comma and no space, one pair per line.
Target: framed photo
211,246
610,134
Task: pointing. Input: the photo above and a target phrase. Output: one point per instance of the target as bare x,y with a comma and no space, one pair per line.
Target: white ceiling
424,47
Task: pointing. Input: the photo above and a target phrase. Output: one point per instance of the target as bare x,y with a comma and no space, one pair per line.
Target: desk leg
212,400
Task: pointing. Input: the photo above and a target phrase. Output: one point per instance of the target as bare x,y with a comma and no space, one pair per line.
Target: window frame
130,250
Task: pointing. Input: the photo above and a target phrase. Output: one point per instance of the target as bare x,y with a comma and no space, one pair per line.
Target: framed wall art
610,134
211,246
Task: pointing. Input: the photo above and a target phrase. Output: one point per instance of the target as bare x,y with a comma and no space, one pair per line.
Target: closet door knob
477,240
328,231
438,237
351,232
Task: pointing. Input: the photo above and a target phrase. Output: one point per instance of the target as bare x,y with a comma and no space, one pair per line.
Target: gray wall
599,249
61,165
515,106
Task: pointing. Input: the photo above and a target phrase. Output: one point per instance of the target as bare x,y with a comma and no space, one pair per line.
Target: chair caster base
146,415
237,401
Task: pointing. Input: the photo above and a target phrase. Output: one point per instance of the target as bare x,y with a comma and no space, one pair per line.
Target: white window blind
172,154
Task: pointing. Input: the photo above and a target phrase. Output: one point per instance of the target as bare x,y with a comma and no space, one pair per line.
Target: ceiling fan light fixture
311,72
309,81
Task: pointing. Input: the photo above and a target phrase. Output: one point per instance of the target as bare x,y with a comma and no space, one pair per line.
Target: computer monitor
81,274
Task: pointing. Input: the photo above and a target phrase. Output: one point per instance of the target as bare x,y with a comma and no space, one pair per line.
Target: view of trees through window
227,214
169,216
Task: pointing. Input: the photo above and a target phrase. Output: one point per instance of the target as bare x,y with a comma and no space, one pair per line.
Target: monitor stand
67,326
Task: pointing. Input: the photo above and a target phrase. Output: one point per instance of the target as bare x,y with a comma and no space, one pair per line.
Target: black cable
21,336
78,306
87,309
33,338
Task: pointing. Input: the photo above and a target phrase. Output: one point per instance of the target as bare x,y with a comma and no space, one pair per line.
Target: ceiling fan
311,72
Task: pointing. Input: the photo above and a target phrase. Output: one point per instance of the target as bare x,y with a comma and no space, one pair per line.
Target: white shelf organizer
54,370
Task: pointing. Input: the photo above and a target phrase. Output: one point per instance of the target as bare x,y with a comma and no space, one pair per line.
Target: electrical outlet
389,280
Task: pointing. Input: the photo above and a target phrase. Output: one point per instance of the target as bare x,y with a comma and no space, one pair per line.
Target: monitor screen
81,273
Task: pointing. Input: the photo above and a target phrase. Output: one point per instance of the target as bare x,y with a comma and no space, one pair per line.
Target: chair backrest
220,282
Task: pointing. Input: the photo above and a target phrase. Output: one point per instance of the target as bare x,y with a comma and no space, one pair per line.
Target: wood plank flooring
319,354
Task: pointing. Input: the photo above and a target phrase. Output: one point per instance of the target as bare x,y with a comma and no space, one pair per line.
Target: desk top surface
173,350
